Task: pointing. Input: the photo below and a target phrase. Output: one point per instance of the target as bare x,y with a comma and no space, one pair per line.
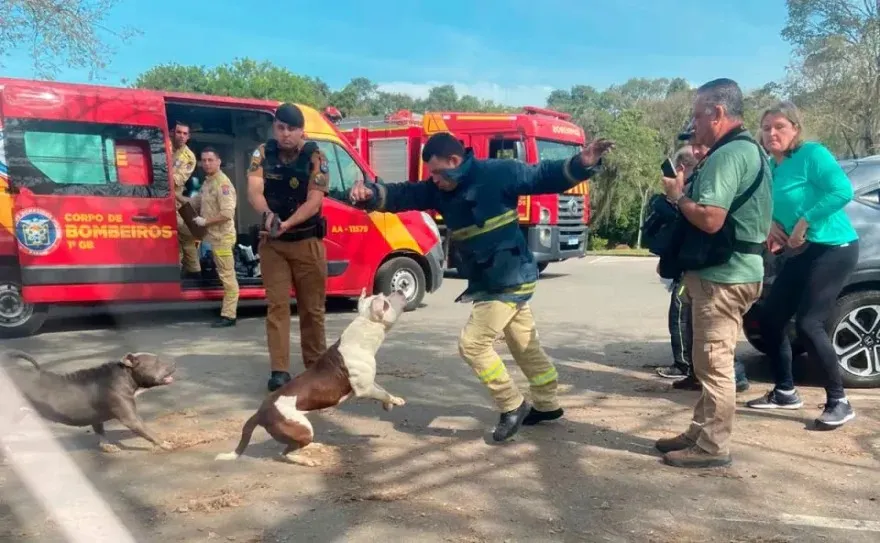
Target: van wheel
17,317
404,274
855,335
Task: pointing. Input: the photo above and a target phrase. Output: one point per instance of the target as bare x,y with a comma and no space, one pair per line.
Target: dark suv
854,325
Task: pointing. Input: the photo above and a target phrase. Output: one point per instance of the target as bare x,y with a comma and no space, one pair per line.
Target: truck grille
571,222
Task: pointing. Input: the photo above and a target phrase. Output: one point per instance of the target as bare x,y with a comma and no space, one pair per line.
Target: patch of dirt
322,456
225,499
191,432
409,373
653,387
385,495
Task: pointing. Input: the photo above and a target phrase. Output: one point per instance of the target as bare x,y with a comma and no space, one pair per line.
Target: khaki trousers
225,263
188,253
717,311
476,346
303,266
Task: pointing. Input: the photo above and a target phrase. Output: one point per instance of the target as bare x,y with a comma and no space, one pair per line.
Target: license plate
574,242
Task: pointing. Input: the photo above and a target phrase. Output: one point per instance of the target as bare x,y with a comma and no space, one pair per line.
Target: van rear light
134,165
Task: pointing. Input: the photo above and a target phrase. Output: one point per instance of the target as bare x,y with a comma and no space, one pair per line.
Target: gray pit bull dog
93,396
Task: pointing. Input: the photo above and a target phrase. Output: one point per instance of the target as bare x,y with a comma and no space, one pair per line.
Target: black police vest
286,186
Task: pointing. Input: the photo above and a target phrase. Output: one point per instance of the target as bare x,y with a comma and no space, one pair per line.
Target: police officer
478,201
216,204
183,164
287,181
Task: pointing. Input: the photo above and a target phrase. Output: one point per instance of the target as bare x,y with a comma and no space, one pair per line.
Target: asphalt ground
426,471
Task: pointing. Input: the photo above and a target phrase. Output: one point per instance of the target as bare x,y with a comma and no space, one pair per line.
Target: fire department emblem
37,231
294,182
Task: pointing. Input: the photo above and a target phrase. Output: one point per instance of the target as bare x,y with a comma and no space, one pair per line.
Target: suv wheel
404,274
855,335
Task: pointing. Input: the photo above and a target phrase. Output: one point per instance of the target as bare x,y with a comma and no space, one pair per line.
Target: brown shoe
676,443
695,457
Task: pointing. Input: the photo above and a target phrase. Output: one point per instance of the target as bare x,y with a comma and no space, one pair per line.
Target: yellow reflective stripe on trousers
491,224
492,372
542,379
223,252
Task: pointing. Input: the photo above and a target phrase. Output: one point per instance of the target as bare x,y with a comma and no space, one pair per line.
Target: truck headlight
431,223
544,236
544,215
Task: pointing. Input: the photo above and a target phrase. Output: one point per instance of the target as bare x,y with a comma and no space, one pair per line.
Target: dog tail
15,354
246,432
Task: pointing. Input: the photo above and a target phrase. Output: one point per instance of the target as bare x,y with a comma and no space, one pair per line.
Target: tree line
834,77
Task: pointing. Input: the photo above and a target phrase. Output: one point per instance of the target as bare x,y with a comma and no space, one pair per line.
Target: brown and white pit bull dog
95,395
347,368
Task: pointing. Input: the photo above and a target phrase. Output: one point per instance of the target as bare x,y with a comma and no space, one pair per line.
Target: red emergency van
556,226
87,213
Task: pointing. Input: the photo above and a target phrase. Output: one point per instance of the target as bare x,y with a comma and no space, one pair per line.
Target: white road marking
810,521
287,407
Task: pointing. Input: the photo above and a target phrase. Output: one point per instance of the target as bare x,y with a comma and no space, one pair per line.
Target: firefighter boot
521,336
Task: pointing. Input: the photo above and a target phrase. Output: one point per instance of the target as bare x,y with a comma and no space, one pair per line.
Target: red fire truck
556,226
87,214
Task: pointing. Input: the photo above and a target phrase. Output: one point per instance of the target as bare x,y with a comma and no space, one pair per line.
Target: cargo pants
188,253
225,263
718,311
476,346
302,265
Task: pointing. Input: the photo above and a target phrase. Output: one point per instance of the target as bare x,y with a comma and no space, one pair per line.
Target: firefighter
184,163
478,201
216,204
287,181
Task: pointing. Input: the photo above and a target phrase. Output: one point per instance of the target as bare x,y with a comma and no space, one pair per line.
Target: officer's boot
510,422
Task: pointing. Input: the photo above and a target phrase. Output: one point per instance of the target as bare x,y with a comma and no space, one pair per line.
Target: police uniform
217,198
481,217
183,165
297,257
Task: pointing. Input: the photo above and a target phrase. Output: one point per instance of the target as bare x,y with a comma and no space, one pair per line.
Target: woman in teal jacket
810,191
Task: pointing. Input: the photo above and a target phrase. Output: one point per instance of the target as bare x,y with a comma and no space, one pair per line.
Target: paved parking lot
425,472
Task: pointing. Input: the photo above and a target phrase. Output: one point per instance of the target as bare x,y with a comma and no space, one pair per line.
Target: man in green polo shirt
720,295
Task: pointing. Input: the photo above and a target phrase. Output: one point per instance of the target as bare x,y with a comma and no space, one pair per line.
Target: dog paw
109,448
395,401
166,446
300,460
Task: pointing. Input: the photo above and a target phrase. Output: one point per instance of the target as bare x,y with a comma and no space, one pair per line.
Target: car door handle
145,218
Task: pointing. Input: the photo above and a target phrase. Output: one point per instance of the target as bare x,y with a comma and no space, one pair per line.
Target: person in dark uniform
287,181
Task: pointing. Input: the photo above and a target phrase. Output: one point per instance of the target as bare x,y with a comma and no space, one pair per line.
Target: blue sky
510,51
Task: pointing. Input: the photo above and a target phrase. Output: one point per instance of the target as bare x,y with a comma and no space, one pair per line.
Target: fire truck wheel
402,273
18,318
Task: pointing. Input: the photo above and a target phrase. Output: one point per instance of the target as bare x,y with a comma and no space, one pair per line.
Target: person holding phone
810,191
687,160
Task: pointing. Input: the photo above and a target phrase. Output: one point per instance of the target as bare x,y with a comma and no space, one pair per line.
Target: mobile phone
668,168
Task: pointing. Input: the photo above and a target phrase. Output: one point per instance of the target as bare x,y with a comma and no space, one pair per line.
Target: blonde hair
793,115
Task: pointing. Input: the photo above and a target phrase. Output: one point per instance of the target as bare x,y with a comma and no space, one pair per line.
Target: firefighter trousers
476,346
225,263
188,254
303,266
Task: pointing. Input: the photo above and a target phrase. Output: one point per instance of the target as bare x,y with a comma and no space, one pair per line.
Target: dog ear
129,360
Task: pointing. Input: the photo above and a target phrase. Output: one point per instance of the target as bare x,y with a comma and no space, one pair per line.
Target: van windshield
556,150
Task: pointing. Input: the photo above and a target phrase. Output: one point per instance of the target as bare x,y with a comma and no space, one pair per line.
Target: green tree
57,33
243,78
836,73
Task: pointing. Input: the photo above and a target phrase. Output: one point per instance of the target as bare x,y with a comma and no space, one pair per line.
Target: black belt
748,247
299,234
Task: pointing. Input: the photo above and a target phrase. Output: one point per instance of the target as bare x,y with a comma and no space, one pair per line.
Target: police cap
291,115
687,132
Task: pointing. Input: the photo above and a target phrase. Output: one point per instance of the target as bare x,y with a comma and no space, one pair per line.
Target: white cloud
517,95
